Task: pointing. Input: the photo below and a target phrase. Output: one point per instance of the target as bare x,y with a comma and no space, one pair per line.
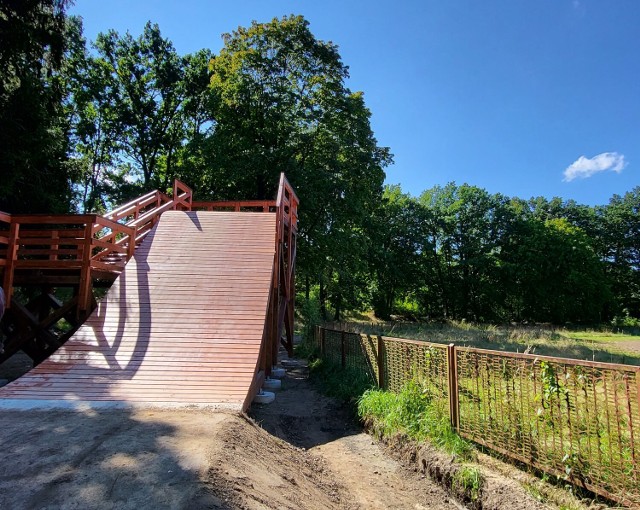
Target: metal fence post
322,341
343,353
454,407
380,356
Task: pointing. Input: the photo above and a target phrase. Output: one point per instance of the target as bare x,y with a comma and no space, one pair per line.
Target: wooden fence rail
575,419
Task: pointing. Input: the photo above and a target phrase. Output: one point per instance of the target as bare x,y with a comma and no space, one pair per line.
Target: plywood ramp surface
182,325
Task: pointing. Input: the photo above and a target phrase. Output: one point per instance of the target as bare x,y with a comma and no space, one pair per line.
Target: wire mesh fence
575,419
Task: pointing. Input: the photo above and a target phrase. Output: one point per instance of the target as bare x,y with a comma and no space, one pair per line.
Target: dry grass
591,345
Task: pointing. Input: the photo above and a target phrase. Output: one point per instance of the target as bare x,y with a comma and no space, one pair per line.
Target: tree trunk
307,288
323,299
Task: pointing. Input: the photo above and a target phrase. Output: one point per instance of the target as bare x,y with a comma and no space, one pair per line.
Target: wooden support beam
84,290
12,254
28,336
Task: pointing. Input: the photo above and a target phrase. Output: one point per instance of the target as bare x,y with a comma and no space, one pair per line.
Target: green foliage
620,249
87,126
555,275
462,268
398,237
551,386
306,350
281,105
468,480
146,76
33,141
309,310
345,384
412,412
625,321
464,254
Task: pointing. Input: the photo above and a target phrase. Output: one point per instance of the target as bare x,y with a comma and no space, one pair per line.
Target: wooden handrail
111,243
129,207
235,205
182,195
285,189
287,203
151,215
54,219
114,226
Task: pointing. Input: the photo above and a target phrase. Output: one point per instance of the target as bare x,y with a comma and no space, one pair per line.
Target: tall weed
412,412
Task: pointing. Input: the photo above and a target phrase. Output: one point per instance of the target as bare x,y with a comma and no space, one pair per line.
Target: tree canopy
86,125
33,133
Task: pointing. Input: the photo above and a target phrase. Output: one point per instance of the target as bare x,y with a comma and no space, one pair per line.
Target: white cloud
583,167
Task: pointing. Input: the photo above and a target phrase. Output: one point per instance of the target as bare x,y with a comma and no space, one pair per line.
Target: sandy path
306,419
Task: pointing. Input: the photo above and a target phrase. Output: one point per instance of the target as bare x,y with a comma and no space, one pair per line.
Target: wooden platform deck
182,325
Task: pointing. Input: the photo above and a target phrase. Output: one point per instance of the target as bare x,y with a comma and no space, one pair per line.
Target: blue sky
525,98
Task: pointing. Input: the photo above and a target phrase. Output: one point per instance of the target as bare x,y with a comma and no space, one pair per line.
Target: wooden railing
64,242
5,225
235,206
82,242
143,213
182,196
281,300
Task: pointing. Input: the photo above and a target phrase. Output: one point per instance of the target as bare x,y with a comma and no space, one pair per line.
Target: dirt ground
301,452
629,345
192,459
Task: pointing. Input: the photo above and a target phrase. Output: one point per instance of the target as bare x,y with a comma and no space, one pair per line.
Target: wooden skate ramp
182,325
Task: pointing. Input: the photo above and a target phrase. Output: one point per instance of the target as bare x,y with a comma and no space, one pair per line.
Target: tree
466,229
94,127
399,240
281,105
33,138
147,77
621,218
557,276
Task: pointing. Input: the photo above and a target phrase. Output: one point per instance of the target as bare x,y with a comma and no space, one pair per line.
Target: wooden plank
207,368
61,232
55,219
48,264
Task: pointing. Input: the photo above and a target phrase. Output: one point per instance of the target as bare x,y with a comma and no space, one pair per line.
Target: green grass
412,413
345,384
468,479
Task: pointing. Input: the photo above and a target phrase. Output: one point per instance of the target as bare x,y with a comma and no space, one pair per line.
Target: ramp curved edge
182,326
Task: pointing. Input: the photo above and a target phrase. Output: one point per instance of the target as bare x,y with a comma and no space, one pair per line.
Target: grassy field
587,344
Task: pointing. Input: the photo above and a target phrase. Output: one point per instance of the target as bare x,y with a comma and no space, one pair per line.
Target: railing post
381,381
131,247
54,245
343,353
454,407
323,333
12,256
84,292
